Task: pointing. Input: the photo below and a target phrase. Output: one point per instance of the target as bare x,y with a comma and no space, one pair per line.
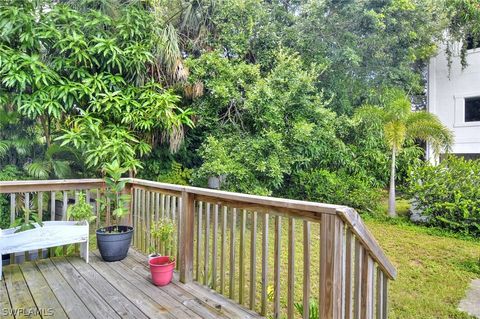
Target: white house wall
446,97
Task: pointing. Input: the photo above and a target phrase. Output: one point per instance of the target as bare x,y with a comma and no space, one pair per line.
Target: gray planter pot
114,246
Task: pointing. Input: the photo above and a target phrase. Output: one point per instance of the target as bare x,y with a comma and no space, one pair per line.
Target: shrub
449,194
336,188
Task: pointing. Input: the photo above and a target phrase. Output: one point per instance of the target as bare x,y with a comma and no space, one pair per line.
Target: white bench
52,234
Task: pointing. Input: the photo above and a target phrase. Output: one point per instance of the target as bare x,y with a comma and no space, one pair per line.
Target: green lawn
434,268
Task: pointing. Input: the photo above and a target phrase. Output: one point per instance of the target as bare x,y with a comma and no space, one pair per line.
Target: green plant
81,211
26,221
449,194
401,125
338,187
163,230
313,308
114,197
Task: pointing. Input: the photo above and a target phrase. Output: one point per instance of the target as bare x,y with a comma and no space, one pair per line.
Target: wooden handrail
347,248
49,185
290,207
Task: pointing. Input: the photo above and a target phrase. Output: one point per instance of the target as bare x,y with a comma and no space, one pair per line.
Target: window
472,109
471,44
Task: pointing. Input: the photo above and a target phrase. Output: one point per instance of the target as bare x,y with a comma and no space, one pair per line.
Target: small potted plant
81,211
114,241
162,267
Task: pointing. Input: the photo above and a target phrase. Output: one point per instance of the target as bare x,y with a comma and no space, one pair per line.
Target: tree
402,125
93,75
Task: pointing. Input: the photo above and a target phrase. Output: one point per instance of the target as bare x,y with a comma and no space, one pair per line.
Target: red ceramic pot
162,270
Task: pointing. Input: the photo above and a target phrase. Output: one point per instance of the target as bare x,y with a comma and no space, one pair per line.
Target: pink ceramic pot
162,270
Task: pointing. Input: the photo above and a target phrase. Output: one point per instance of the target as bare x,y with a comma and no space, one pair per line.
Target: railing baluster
379,290
40,217
64,214
357,279
291,268
276,267
27,211
52,217
385,296
167,206
306,269
232,254
64,205
173,204
13,204
199,240
180,230
162,205
264,264
241,260
367,287
148,214
186,245
223,256
348,275
214,247
173,245
207,242
253,260
136,218
97,203
331,270
143,214
108,210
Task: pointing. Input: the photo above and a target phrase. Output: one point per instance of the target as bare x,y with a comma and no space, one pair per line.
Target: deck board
74,289
5,306
41,291
124,307
21,300
66,296
89,296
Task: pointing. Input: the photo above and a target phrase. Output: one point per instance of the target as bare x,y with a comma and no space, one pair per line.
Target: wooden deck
69,288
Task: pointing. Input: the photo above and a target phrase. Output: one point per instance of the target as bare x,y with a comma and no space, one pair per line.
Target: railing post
331,266
186,241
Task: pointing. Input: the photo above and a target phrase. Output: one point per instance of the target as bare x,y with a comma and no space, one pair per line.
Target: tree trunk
391,195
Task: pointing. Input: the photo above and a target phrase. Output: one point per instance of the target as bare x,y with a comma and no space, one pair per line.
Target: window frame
459,120
477,98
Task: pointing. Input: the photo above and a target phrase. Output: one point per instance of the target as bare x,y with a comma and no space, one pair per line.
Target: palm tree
401,125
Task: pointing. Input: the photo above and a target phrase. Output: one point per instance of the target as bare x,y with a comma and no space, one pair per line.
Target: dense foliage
258,93
89,79
449,194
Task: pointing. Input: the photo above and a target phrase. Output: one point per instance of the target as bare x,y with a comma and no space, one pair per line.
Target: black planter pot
114,246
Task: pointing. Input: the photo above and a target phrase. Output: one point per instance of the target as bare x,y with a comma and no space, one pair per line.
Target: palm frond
3,148
61,168
427,127
38,169
370,113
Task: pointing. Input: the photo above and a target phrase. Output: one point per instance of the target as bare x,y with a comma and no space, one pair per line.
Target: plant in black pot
114,241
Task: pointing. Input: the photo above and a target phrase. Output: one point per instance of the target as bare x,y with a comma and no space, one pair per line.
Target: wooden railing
271,255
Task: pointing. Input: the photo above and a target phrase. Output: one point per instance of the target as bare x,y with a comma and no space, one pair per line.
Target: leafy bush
7,173
336,188
449,194
81,211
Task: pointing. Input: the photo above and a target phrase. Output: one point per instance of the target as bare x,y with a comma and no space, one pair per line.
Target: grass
434,271
434,266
